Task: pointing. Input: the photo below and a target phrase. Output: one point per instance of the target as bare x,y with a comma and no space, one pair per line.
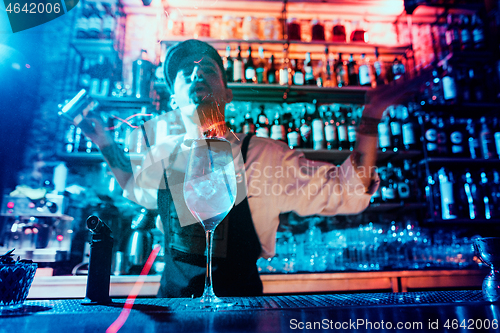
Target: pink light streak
129,303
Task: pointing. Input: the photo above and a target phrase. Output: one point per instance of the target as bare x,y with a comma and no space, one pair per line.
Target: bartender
272,179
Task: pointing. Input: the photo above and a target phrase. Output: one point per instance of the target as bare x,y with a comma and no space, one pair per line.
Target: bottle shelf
89,47
90,158
460,161
463,221
385,207
341,155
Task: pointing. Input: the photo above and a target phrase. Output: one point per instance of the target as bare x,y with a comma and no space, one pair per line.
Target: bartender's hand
94,128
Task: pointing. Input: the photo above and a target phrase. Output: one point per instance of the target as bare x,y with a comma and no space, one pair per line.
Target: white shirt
278,179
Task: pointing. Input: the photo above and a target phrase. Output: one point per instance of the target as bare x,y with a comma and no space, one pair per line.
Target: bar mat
158,305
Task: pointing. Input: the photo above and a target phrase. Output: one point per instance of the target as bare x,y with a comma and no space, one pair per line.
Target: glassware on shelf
318,31
271,29
210,193
338,32
293,28
250,28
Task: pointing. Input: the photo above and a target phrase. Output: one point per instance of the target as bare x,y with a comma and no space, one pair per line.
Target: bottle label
308,73
342,133
238,68
351,133
457,149
364,75
248,128
388,193
447,201
298,78
317,130
456,138
263,119
403,190
305,131
395,128
431,146
262,132
283,76
449,88
249,74
384,140
408,134
497,142
478,35
331,133
431,135
293,139
277,132
486,143
465,35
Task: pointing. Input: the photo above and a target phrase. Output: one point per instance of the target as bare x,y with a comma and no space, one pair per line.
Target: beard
209,110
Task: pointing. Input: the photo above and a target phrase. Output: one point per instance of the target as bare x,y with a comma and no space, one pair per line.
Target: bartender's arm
94,129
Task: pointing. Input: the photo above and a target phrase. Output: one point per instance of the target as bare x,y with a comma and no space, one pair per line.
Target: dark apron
236,249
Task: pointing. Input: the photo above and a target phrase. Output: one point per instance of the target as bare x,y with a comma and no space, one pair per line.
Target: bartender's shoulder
268,145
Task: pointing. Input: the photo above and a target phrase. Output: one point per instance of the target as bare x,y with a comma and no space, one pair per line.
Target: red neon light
129,303
10,205
60,238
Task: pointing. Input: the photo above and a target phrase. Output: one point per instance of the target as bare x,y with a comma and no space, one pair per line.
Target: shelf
463,221
341,155
93,157
460,161
385,207
122,102
92,47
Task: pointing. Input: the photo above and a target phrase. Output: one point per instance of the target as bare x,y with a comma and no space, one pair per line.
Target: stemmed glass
210,193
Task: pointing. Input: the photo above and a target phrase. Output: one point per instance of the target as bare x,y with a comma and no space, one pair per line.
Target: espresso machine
38,229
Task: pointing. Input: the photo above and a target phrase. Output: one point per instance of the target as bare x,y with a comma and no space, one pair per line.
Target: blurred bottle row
463,194
97,20
370,247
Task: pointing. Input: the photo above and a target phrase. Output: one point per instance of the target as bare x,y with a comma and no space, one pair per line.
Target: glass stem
209,291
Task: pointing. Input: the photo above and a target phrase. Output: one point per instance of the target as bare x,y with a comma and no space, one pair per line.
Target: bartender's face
199,82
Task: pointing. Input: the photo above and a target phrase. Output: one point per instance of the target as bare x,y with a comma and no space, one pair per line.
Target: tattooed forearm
116,158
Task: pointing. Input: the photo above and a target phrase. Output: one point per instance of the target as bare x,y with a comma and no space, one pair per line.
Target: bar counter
460,311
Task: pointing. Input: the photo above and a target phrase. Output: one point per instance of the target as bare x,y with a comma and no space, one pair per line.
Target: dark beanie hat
176,53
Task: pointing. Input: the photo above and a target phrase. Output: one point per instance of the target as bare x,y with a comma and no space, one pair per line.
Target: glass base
208,303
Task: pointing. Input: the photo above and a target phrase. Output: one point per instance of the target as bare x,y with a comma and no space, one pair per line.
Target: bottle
329,79
477,32
317,128
365,72
342,131
384,135
473,140
377,196
277,129
398,69
456,138
452,34
271,72
84,75
495,194
477,81
430,135
108,21
250,68
69,139
298,75
466,40
285,70
496,135
341,73
449,87
389,186
248,126
448,210
338,32
380,75
403,185
94,22
358,34
442,138
463,85
306,130
487,201
229,65
330,131
262,126
293,135
472,195
396,129
351,130
82,23
238,67
352,72
308,71
260,70
409,130
486,140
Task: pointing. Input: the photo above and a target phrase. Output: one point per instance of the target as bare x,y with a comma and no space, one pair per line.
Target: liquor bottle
486,140
69,139
94,22
338,32
108,21
473,140
317,128
306,130
377,196
448,210
410,178
463,85
298,74
466,40
452,34
365,72
496,135
229,65
442,138
398,69
260,70
293,134
248,126
384,135
277,129
396,129
84,75
250,68
456,138
436,88
380,75
342,131
308,71
431,194
430,135
403,185
330,131
262,126
285,70
409,130
330,79
231,124
351,130
238,67
472,195
341,73
271,72
389,185
487,201
82,23
449,87
478,32
495,193
352,71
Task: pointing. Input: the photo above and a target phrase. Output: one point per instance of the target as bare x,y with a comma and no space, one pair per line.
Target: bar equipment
488,250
